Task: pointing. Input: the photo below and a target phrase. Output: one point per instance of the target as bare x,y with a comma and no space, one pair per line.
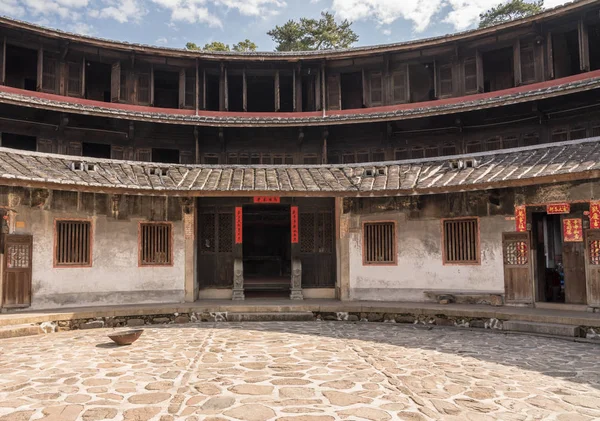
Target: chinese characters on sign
267,199
573,230
558,208
239,225
294,224
521,218
595,215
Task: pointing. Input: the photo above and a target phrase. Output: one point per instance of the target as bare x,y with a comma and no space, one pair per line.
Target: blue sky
172,23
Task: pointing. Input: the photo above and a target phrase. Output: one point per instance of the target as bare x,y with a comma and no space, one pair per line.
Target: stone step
290,316
17,331
543,328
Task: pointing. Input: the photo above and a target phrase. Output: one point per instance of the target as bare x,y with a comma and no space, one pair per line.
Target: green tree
245,46
514,9
313,34
241,46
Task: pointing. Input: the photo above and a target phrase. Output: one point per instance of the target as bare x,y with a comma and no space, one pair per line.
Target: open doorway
498,70
560,265
352,91
267,250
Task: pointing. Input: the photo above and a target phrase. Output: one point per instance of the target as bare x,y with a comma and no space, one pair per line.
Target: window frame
55,262
364,245
171,244
445,261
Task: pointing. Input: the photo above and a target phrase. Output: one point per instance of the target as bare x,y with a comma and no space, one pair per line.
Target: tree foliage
242,46
312,34
514,9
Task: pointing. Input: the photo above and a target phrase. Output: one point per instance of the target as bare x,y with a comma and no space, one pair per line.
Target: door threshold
562,306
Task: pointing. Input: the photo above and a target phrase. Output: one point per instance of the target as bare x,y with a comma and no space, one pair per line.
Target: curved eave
527,93
542,164
297,56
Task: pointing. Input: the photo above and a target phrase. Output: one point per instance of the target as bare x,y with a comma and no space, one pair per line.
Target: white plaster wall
420,267
114,278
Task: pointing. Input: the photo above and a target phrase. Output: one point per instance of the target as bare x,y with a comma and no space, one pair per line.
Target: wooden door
317,248
216,247
574,268
592,264
516,247
17,271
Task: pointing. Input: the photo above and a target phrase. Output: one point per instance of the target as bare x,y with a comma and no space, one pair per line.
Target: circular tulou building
463,167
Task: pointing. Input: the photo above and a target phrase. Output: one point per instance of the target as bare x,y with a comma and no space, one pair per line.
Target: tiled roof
536,91
296,55
573,160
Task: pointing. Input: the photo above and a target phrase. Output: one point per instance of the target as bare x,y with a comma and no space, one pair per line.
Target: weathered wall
115,276
420,266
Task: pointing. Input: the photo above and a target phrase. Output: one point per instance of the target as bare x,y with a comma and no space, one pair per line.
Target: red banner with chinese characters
595,215
573,230
521,218
294,224
267,199
239,225
558,208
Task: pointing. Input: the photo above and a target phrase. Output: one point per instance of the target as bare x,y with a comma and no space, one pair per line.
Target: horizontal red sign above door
558,208
267,199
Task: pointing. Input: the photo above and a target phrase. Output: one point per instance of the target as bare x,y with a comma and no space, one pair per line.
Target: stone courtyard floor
313,371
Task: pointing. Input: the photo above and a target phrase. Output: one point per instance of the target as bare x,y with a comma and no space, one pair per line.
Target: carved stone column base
238,280
296,286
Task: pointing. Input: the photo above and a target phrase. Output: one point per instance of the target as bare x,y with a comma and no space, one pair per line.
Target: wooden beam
277,92
197,144
318,90
203,89
388,96
182,103
294,108
365,101
480,72
83,72
152,85
298,85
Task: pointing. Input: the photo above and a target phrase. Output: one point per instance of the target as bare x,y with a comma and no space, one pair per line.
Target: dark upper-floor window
527,62
446,86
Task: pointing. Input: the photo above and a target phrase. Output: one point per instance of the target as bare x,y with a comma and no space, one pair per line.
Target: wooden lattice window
449,149
400,154
399,86
510,142
473,146
281,159
418,152
471,75
225,231
156,244
123,94
376,89
531,139
74,82
73,243
316,233
446,80
578,133
362,156
379,243
527,62
377,155
216,232
595,131
432,151
349,158
210,159
594,252
461,241
560,135
493,143
49,74
144,88
310,159
516,253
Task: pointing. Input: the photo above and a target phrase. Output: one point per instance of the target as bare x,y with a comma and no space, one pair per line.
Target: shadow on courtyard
563,359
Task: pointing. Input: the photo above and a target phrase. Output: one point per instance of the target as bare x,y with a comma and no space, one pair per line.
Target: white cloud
122,10
462,14
161,41
82,28
11,8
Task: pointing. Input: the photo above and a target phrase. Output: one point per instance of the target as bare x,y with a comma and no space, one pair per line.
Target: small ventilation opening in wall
161,172
381,171
369,173
77,166
455,165
91,167
470,163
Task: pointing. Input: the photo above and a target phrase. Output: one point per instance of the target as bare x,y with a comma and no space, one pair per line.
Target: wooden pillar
296,281
197,95
3,62
517,62
277,92
189,229
40,68
323,89
182,88
151,87
298,89
342,250
584,47
204,89
244,91
365,101
197,144
549,56
83,73
223,100
386,84
238,255
294,90
318,104
324,148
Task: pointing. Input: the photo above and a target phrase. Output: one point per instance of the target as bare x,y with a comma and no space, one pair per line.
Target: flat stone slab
19,331
543,328
288,316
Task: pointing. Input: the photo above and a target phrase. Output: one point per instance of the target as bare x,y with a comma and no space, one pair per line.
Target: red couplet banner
294,224
521,218
239,225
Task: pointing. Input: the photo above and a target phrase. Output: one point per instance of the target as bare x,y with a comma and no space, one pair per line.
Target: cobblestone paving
315,371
